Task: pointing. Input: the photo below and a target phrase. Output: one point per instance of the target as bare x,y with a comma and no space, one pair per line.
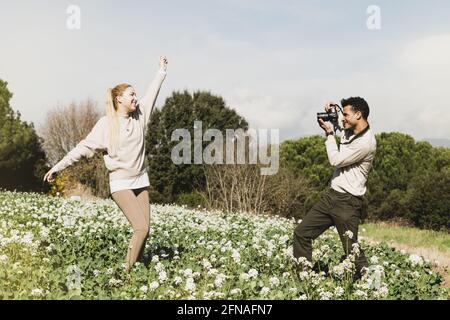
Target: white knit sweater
129,160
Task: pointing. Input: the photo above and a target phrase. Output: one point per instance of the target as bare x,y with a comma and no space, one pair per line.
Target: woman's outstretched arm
87,147
148,102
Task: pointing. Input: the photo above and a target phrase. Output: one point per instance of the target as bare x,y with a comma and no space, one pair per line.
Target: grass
408,236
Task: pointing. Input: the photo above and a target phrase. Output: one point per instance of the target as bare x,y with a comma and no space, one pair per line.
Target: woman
121,136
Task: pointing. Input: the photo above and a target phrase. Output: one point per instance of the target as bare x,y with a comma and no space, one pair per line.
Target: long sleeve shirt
129,160
352,161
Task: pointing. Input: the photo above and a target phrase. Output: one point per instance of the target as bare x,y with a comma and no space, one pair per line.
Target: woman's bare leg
128,203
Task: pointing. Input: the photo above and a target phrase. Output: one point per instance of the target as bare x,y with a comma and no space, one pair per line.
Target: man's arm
353,153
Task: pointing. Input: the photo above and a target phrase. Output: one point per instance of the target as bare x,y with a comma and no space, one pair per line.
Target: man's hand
163,63
326,126
328,106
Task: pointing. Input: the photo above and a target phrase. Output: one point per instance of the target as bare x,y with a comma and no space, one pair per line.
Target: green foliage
429,202
192,200
308,157
54,248
180,111
22,160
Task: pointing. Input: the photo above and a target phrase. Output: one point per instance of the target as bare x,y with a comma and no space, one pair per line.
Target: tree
429,201
307,156
180,110
65,126
22,160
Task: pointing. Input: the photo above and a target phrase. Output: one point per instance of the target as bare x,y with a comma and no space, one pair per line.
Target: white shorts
134,183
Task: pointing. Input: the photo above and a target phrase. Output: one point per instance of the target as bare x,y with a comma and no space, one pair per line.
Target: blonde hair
111,113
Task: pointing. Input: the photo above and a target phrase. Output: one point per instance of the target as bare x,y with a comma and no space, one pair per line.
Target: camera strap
358,135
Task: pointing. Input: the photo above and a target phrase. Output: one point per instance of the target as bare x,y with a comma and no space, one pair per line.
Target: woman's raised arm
148,102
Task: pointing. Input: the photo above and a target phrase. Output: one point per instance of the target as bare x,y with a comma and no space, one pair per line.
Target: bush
192,200
429,203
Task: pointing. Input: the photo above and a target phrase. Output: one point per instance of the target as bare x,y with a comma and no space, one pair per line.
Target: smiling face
127,102
351,117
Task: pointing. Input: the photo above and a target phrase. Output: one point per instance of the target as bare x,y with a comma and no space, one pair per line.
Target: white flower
154,285
325,295
155,258
361,294
303,275
236,256
303,297
144,289
159,267
114,281
339,291
253,273
382,292
374,260
177,280
3,258
264,291
415,260
206,264
219,280
162,276
37,292
349,234
274,282
236,291
187,273
190,285
244,276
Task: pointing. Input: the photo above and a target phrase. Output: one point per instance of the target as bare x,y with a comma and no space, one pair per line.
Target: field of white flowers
54,248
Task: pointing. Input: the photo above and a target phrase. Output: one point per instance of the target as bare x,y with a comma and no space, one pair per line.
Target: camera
331,116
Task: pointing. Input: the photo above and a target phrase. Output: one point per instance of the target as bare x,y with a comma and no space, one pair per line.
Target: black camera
331,116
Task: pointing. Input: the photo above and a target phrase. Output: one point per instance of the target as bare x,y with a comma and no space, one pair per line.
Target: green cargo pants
342,210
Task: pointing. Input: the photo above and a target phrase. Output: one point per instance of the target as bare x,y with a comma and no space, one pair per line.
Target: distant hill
439,142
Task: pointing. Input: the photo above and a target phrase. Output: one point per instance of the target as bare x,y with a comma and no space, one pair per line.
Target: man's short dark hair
358,104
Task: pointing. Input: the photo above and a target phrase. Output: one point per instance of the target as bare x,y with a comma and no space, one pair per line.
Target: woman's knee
142,229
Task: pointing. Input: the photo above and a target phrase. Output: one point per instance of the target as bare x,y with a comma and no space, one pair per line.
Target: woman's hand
163,63
50,175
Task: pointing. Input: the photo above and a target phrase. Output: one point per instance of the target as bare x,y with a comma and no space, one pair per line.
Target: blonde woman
120,135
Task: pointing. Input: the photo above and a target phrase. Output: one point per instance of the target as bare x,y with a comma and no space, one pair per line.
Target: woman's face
128,100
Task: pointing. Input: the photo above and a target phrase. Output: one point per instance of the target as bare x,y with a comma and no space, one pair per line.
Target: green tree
180,110
22,160
429,200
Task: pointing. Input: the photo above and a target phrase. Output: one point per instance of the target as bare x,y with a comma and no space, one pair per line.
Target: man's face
351,118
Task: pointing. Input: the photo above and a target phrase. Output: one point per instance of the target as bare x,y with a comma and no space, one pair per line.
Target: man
342,204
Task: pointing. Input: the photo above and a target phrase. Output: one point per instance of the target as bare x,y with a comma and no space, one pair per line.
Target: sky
275,62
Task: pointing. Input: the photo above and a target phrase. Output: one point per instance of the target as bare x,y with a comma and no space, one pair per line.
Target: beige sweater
352,161
129,160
